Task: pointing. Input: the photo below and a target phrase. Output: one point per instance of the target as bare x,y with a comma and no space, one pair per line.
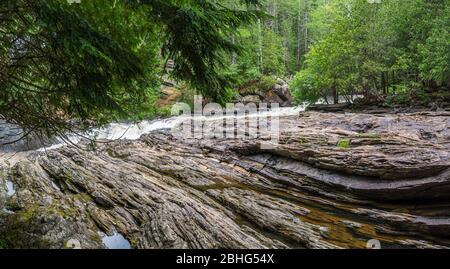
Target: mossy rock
303,142
344,143
20,231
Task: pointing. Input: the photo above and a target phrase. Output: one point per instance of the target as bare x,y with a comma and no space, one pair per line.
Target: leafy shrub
305,87
266,83
165,111
405,96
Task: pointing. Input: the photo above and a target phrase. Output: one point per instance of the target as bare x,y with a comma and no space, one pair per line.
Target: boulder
279,94
281,82
284,94
251,99
272,97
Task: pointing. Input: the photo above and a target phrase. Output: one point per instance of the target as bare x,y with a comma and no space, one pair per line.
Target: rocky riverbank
334,181
278,93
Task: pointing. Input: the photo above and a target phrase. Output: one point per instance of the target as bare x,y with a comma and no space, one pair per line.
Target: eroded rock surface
334,181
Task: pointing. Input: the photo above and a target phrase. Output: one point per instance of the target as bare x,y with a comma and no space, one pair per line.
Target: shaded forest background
390,51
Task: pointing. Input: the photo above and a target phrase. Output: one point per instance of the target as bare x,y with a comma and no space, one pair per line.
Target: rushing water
129,131
133,131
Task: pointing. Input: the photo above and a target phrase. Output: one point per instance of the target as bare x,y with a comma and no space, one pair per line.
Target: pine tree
64,67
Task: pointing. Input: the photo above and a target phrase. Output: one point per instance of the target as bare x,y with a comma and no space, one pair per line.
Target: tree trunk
260,45
305,25
335,95
299,30
383,83
394,88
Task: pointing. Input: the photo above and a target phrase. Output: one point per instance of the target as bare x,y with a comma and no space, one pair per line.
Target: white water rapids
133,131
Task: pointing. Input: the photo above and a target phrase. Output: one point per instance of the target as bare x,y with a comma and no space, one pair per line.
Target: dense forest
380,49
103,60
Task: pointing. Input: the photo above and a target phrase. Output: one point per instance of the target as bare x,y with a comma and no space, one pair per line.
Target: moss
83,197
3,244
303,141
26,215
344,144
369,135
21,231
65,213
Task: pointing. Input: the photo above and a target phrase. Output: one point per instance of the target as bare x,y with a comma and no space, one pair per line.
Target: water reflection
10,190
115,241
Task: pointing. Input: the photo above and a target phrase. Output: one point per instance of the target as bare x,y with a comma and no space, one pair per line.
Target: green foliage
305,87
196,38
3,244
274,45
260,85
435,51
377,49
247,66
65,67
409,96
56,66
273,54
165,111
187,95
266,83
228,96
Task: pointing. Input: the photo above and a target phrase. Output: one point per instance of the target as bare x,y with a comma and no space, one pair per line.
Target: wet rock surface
334,181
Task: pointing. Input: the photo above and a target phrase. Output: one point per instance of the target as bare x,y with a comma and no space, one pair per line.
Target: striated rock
386,157
351,224
271,214
333,181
